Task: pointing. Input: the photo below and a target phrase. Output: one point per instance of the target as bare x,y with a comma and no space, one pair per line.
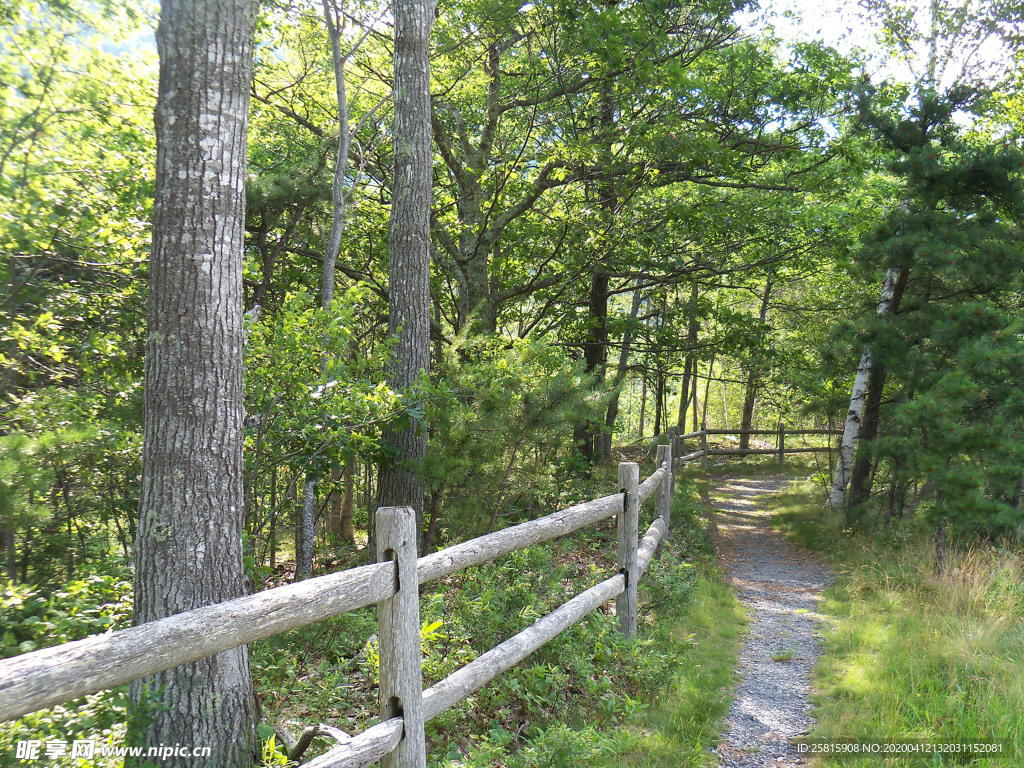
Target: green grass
909,655
683,725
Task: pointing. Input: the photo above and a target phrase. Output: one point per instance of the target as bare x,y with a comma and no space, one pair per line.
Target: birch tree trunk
189,545
862,474
400,483
858,396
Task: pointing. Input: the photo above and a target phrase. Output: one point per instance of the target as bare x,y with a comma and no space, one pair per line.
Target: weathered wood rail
56,675
682,456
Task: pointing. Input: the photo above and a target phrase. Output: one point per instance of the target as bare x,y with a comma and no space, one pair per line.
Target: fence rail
52,676
677,442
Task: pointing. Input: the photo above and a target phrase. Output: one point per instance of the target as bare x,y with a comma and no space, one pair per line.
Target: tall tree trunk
643,404
749,397
10,554
689,391
854,417
306,531
860,476
8,533
684,394
273,518
348,502
707,391
696,405
189,544
659,399
725,402
327,275
595,351
750,393
940,547
434,522
400,481
26,549
657,403
620,376
334,509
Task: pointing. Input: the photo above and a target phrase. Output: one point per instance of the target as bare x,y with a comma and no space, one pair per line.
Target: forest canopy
644,211
642,216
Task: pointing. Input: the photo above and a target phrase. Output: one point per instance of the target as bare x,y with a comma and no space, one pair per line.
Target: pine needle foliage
952,413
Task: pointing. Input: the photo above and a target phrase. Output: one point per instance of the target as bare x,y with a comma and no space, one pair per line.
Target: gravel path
780,585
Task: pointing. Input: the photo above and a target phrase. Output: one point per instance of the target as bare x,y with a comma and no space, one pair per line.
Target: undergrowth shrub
32,618
559,706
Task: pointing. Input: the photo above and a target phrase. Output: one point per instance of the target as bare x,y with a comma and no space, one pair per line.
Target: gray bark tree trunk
189,545
400,482
306,530
340,161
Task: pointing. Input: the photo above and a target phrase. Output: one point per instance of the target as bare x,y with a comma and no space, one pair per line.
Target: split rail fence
682,456
56,675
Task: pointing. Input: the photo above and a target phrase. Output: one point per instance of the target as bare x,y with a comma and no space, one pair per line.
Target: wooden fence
52,676
682,456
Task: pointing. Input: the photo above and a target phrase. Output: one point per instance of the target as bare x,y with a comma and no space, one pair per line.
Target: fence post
782,443
398,617
665,495
704,444
629,532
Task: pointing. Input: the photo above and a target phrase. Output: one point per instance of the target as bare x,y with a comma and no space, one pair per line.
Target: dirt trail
780,586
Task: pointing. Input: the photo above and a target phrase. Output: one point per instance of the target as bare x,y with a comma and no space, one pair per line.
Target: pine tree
950,415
